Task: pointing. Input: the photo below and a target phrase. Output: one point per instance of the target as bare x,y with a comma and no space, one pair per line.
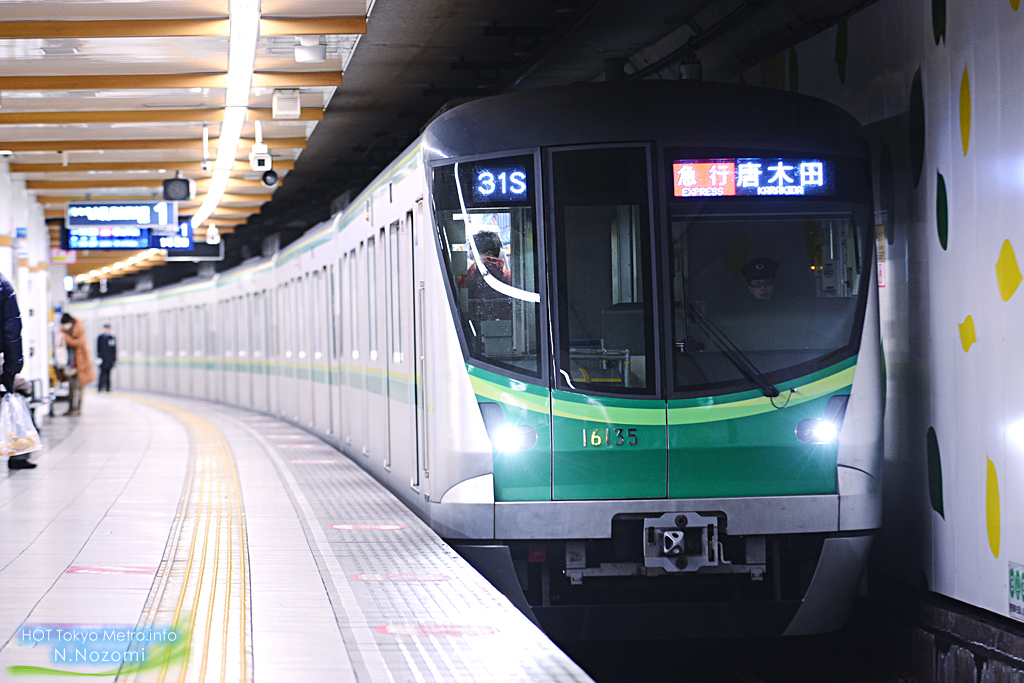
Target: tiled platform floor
274,556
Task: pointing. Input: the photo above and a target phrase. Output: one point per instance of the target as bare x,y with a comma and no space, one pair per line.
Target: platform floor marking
452,650
202,583
358,626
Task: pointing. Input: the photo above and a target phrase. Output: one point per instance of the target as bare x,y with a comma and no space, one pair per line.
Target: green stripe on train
490,386
612,448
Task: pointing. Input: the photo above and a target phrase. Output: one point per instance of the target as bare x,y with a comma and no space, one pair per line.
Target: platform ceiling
109,98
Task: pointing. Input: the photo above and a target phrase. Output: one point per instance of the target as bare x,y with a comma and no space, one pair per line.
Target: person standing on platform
74,335
10,344
106,350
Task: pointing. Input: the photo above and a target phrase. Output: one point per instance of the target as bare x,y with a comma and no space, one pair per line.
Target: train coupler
689,542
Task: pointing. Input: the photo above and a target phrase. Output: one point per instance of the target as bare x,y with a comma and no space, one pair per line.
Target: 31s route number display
499,182
503,183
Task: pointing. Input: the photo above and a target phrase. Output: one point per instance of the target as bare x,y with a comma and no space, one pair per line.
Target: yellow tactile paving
202,584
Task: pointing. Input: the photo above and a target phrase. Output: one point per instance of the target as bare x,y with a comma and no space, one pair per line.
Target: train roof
691,113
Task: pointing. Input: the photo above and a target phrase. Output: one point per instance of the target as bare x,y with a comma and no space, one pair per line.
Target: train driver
760,276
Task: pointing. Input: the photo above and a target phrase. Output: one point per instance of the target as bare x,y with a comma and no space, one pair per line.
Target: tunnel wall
939,87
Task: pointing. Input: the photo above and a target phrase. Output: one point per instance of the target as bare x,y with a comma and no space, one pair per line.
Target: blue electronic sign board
498,182
119,225
770,177
158,215
179,241
108,237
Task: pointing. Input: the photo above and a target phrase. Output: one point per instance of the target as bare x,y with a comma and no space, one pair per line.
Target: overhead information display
120,225
180,241
158,215
109,237
752,177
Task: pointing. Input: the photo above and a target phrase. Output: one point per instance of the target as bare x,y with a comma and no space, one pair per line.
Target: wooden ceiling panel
86,10
105,100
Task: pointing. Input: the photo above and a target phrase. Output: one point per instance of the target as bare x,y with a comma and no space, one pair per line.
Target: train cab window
485,215
601,245
757,294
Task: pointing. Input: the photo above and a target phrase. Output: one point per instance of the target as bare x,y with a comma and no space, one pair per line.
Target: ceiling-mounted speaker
179,189
286,104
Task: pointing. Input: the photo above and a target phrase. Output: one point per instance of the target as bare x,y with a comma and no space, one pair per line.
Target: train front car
665,296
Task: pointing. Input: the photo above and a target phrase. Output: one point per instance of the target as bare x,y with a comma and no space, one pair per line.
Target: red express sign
704,178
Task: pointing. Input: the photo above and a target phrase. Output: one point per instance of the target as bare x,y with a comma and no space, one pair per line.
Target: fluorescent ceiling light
245,30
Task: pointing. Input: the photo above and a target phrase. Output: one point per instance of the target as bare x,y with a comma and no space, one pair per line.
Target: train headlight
508,438
817,431
511,438
505,437
824,430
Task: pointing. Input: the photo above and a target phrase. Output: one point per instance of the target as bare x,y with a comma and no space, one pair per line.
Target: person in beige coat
74,336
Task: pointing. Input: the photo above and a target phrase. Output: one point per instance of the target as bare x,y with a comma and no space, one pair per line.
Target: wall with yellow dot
939,87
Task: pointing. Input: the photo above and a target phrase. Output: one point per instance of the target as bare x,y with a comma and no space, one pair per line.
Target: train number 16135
609,437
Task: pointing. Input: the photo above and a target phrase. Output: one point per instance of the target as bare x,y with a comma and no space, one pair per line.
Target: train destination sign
158,215
752,177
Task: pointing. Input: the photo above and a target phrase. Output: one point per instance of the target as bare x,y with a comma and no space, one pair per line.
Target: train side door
333,331
376,431
608,422
400,357
421,463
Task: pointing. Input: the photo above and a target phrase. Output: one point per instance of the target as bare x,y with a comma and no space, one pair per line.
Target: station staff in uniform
106,350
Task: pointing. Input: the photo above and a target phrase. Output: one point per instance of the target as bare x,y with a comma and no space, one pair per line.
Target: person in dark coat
10,344
106,350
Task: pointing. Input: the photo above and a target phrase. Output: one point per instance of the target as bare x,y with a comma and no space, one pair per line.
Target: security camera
259,157
206,166
269,178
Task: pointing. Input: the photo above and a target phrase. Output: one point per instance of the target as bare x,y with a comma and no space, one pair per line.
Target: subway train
617,343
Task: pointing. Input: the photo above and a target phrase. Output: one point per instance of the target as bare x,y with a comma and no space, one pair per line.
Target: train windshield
485,213
757,294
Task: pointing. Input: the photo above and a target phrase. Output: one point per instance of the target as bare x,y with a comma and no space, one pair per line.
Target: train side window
316,299
334,321
284,308
342,291
601,237
394,292
371,295
256,325
485,213
304,307
353,308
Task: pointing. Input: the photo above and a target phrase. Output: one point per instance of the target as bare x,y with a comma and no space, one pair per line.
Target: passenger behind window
485,303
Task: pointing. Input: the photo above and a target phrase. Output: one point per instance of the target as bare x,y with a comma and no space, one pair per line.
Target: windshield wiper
732,352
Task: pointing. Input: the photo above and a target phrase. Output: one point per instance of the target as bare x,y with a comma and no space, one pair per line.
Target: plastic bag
17,433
